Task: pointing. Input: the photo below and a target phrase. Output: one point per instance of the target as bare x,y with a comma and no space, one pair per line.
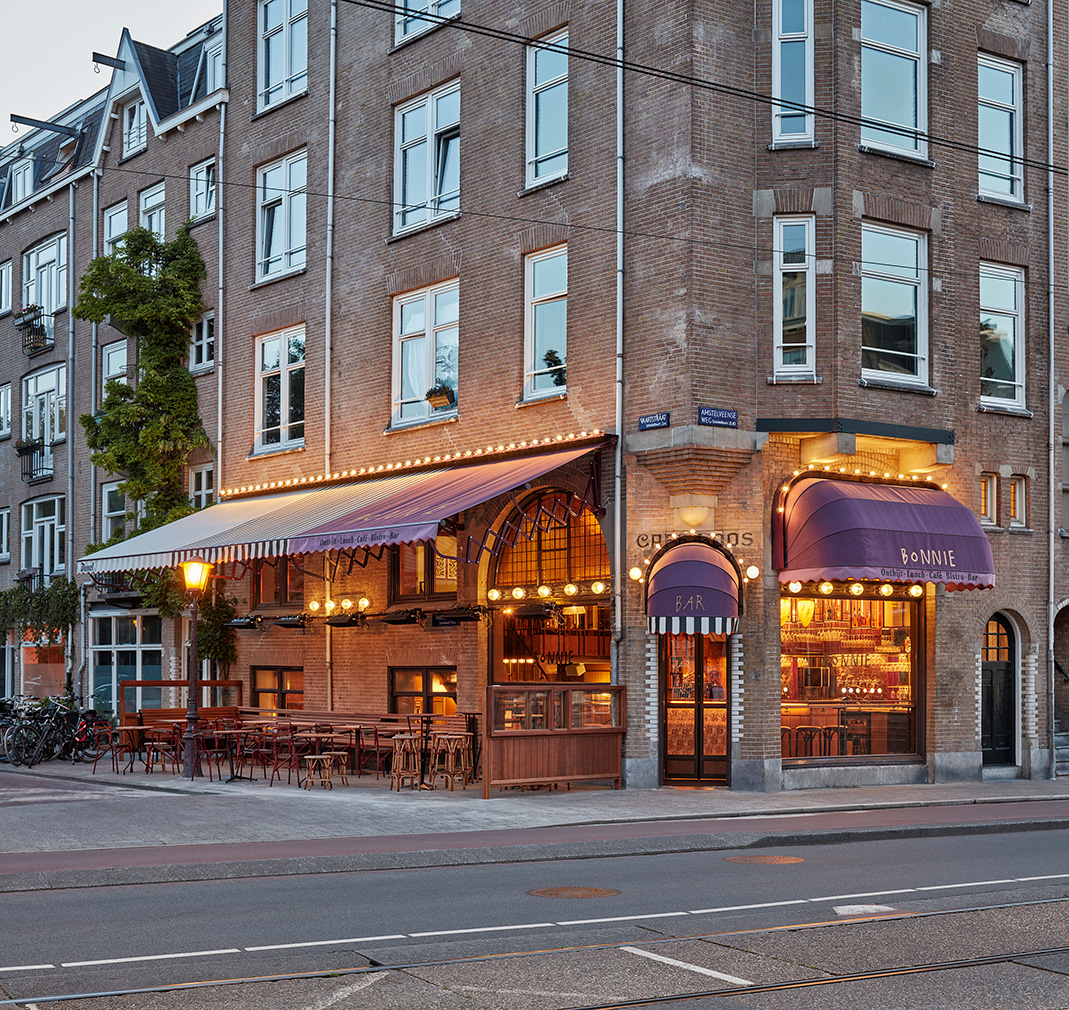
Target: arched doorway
997,693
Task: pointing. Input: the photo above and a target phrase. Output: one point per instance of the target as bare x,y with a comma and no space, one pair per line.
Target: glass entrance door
694,731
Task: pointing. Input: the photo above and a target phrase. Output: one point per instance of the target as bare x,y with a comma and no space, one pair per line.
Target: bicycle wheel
23,743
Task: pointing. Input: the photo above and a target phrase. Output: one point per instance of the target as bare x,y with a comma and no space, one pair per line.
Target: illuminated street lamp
195,574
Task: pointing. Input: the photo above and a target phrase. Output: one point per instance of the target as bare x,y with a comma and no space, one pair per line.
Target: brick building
522,370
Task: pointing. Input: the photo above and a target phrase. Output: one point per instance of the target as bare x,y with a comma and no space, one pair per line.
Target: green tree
145,431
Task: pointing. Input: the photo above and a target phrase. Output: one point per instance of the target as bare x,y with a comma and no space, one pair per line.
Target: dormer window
135,128
213,67
21,181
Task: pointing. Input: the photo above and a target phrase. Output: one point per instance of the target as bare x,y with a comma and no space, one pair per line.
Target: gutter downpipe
328,287
617,549
68,511
82,670
220,190
1053,390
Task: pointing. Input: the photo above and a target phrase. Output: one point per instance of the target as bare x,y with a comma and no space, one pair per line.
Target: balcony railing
38,330
36,455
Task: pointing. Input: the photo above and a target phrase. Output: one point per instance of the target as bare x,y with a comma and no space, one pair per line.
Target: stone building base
914,773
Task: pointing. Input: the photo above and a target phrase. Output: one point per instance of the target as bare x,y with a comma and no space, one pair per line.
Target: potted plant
26,446
441,395
27,316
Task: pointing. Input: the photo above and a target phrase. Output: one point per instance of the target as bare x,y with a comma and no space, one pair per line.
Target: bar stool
405,763
318,768
834,740
785,733
450,757
807,741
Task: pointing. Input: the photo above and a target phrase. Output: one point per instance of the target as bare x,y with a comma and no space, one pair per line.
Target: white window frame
5,409
202,343
1018,502
113,360
294,78
414,407
202,485
116,224
153,204
532,368
278,208
989,498
782,38
44,278
781,268
1014,172
44,537
535,90
5,287
919,283
112,518
919,147
1015,313
44,407
213,68
134,127
202,190
409,24
290,431
5,534
21,177
435,138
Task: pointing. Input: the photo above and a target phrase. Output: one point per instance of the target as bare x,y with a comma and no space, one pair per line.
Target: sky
48,62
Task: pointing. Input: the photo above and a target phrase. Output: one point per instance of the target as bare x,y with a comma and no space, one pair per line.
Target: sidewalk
64,826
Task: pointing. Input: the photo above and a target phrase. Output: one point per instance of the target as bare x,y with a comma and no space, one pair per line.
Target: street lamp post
195,573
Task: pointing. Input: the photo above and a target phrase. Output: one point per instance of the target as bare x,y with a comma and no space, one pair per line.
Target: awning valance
692,588
842,529
402,508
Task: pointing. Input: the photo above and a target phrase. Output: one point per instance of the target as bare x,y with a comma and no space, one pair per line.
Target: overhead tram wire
701,83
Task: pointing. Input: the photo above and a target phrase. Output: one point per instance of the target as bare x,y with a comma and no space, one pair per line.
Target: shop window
421,571
275,688
277,582
570,646
126,648
415,690
849,671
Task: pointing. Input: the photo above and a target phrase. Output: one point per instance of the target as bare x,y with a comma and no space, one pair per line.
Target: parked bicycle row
33,730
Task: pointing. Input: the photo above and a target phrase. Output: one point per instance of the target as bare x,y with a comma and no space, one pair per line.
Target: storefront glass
696,707
849,672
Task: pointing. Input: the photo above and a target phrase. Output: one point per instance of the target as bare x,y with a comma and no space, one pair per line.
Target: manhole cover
573,892
775,860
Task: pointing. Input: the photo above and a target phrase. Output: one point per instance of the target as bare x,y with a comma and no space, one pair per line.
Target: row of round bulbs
329,605
519,593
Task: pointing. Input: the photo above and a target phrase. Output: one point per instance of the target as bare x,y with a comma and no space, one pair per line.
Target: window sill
5,559
202,370
203,219
1026,530
541,184
870,382
1002,201
256,285
129,157
1007,408
5,312
912,159
430,422
275,106
281,451
416,229
422,33
989,527
797,380
545,398
794,145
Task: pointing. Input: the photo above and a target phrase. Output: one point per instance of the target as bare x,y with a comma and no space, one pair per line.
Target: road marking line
620,918
335,998
743,908
689,967
1049,876
485,929
328,943
861,909
972,883
27,967
526,992
148,957
865,894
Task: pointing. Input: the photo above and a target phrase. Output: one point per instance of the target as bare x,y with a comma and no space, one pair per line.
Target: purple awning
692,588
841,529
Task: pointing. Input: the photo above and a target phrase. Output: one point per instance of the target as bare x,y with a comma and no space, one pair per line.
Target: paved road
154,934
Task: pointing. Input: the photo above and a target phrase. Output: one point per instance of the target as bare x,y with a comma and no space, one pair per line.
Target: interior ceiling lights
408,464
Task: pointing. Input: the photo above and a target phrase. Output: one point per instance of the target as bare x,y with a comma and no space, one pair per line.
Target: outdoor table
232,738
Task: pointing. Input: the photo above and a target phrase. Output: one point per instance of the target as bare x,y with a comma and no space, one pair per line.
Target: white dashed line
149,957
972,883
27,967
620,918
743,908
689,967
484,929
864,894
328,943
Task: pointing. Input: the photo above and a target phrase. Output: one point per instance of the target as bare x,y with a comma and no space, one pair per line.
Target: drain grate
773,860
573,892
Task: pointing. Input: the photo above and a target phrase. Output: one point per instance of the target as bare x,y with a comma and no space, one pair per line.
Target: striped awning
402,508
692,588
